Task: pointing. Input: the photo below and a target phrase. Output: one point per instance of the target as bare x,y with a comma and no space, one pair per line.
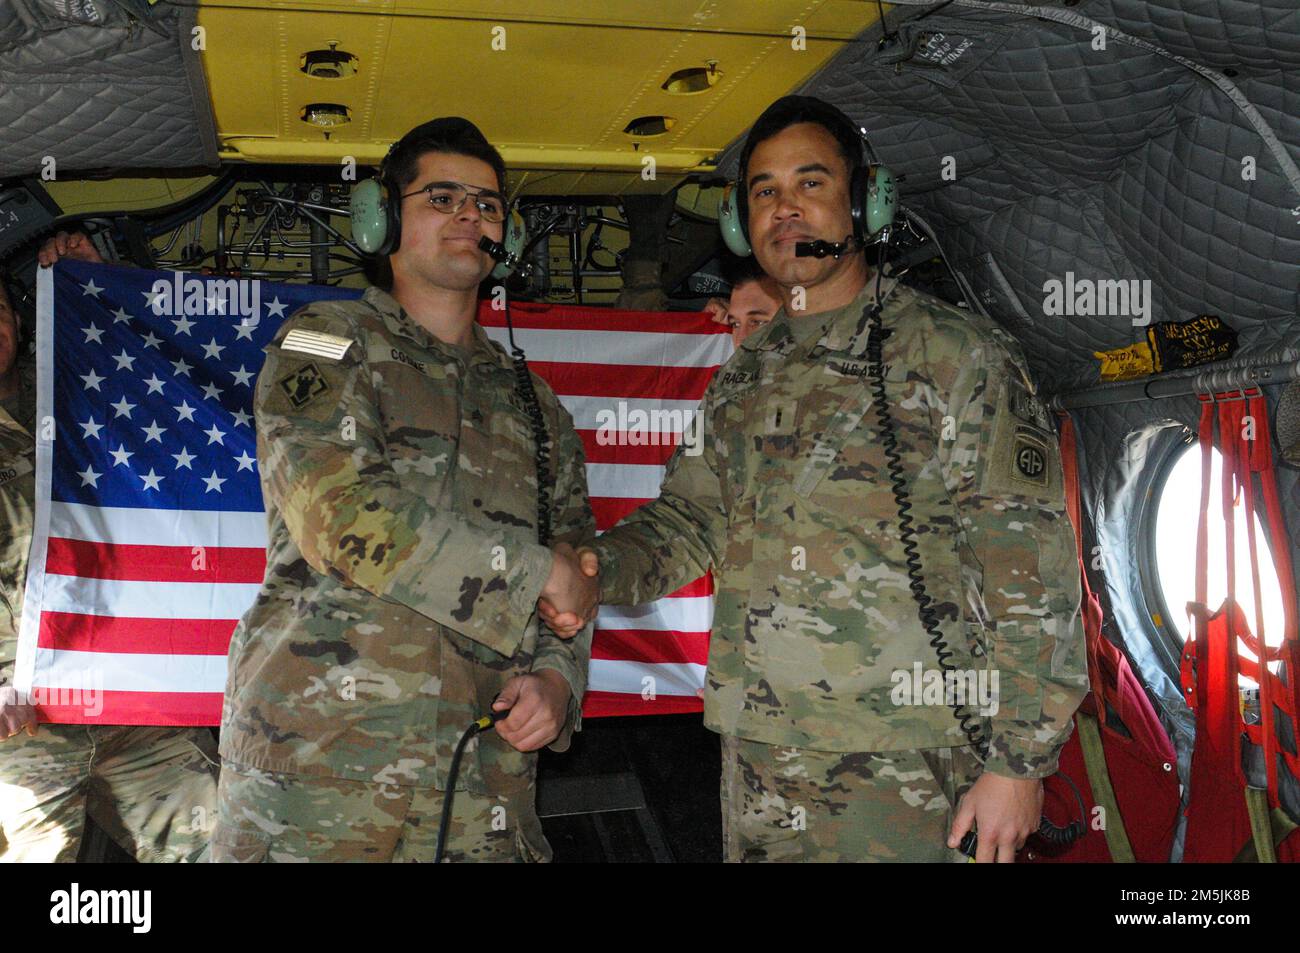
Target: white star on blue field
157,410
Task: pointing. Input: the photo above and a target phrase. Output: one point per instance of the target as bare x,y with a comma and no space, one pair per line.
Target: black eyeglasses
449,198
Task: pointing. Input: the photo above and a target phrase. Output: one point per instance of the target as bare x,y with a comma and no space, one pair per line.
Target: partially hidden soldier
151,789
821,676
400,475
752,301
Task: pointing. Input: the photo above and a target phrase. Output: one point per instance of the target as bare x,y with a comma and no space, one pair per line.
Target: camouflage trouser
153,790
264,817
793,804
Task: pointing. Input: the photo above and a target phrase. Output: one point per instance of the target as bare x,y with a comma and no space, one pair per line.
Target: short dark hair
737,271
450,134
792,110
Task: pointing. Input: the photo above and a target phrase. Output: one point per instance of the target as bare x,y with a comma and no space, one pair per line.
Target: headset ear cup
514,239
372,228
859,188
881,199
393,219
731,222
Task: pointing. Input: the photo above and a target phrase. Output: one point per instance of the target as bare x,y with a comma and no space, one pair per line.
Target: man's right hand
571,596
15,714
74,245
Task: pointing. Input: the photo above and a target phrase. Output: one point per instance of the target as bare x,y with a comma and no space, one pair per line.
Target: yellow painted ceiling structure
554,84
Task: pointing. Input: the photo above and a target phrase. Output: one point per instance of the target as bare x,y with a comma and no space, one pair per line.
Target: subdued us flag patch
317,343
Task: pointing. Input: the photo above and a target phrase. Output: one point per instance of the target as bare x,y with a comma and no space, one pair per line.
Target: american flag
150,535
631,381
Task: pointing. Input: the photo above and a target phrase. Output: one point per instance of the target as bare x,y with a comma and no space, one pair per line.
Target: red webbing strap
1245,444
1217,820
1274,694
1194,645
1091,605
1256,639
1229,446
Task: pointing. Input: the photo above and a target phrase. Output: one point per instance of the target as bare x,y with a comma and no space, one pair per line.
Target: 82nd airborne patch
1029,457
303,386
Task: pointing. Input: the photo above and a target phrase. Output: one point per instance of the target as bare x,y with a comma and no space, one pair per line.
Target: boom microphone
820,248
495,249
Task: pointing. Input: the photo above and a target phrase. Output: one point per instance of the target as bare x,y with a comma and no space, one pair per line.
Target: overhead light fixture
644,127
695,79
332,63
325,115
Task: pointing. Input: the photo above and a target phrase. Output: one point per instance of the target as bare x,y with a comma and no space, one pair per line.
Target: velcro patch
1022,402
1029,458
21,467
302,386
316,343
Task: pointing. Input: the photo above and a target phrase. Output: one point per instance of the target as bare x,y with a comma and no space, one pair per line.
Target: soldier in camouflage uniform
153,790
399,473
832,747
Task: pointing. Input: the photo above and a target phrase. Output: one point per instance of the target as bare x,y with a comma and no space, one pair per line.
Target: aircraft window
1177,517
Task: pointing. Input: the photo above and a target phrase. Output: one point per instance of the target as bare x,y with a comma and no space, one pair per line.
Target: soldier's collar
844,333
487,351
395,318
778,334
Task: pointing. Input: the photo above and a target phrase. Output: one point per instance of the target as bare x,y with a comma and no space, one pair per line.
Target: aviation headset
873,199
376,203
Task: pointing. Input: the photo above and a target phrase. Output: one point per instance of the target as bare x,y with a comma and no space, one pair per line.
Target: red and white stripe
646,659
129,626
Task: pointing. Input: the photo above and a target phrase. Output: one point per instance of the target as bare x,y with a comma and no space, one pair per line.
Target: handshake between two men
538,700
571,594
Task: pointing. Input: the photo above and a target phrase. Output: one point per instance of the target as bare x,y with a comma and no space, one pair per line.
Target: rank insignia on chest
303,386
1029,457
782,415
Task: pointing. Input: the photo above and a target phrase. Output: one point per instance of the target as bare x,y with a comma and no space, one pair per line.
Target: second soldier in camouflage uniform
399,474
815,628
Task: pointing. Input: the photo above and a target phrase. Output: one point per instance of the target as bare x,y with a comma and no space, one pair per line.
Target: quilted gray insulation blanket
1104,139
98,84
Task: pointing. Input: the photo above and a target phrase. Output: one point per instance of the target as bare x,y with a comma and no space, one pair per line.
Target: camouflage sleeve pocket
1013,670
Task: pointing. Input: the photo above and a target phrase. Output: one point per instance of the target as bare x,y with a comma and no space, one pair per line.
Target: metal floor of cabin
629,790
642,789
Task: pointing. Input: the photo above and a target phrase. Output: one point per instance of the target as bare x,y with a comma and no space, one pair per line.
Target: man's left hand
539,702
1004,812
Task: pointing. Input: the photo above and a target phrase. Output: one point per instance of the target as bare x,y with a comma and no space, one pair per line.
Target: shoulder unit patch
1029,457
300,387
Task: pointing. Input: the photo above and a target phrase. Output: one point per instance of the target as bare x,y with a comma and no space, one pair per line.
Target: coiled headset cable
542,449
872,322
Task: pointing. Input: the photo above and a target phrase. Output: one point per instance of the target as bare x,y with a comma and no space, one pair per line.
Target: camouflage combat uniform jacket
17,508
403,567
815,627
